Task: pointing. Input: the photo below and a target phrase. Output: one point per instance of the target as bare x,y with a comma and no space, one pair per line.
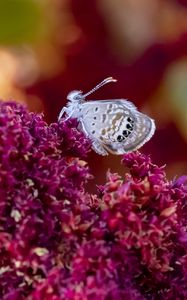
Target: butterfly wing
115,126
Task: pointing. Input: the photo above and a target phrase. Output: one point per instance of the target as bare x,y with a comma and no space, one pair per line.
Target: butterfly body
113,126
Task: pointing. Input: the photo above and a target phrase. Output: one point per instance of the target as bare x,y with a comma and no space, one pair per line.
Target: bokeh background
50,47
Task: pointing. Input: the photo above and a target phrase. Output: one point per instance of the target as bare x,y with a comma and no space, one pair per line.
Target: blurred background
50,47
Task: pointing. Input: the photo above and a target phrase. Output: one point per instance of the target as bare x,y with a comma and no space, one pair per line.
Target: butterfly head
75,96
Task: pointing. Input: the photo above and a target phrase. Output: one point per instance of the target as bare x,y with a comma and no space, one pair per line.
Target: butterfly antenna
105,81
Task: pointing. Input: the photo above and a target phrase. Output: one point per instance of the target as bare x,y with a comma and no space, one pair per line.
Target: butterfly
113,126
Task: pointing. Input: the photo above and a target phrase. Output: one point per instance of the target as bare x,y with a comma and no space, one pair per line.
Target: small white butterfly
114,126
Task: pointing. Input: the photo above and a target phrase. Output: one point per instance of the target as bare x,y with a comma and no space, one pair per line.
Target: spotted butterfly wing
115,126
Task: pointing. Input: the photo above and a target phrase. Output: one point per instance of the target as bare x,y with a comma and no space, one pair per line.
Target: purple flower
58,242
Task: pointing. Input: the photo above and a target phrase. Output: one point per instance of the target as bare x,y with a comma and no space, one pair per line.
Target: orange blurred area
77,43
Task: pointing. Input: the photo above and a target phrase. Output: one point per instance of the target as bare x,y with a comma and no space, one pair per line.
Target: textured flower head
59,242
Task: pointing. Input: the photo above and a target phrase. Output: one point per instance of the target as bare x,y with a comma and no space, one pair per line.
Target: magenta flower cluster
59,242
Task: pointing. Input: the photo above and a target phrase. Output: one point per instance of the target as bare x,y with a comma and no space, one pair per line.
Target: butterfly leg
64,110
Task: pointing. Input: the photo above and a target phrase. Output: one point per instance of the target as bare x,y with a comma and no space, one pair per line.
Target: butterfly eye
120,138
